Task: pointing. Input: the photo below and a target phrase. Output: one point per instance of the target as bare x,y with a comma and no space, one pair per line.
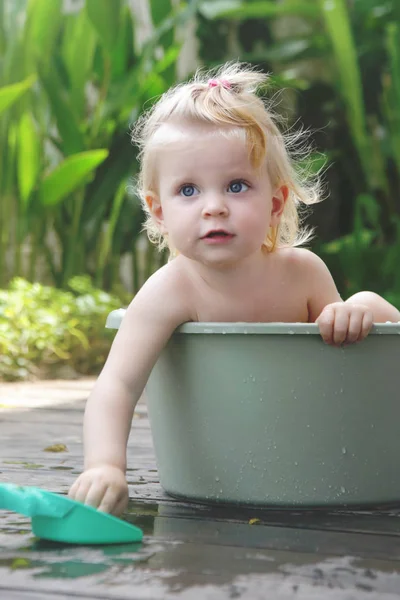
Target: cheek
255,217
177,218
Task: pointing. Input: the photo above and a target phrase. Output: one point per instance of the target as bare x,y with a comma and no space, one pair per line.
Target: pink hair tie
216,82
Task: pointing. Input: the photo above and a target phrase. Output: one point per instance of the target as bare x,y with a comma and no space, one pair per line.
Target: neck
237,275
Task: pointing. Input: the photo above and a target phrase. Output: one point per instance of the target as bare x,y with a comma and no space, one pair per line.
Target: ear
278,204
155,208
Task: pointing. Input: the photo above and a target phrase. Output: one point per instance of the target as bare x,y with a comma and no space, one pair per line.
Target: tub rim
115,317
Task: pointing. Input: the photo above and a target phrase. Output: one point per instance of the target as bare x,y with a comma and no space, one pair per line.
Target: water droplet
217,479
344,451
261,399
343,490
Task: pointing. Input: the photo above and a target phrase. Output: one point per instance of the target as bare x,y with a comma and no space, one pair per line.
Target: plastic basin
269,415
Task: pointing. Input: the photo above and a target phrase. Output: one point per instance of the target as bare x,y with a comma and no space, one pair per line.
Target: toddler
221,190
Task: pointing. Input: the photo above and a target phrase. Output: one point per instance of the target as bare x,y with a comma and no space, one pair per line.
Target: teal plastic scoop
60,519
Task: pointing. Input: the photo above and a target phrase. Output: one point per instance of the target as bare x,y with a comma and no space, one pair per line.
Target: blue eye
187,190
238,186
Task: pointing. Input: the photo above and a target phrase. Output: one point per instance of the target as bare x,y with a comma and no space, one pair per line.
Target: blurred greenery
74,75
339,62
44,329
72,79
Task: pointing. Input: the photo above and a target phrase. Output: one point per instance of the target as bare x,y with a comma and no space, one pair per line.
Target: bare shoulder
166,293
159,307
309,271
303,262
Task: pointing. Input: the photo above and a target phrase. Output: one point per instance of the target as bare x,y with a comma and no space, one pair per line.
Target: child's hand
344,323
103,487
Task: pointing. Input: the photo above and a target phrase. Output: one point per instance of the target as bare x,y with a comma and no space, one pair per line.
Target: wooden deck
189,551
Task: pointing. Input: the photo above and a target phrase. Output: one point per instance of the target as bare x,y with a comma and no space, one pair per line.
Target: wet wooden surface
189,551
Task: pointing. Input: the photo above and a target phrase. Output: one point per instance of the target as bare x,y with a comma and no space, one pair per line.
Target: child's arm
159,307
339,322
343,322
382,310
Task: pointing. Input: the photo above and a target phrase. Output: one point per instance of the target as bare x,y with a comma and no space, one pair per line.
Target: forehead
200,146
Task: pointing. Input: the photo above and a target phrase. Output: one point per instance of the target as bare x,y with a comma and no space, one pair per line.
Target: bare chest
280,303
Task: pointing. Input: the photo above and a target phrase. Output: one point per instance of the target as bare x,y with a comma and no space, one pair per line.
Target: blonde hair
228,97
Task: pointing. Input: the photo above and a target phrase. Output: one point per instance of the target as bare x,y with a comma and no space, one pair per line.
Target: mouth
216,234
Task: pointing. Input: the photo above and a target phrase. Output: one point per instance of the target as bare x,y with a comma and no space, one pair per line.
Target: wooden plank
190,551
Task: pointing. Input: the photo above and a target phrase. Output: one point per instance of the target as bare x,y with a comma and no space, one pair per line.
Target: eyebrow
192,178
234,173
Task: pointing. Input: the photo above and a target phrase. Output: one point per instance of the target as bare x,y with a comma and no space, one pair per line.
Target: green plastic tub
269,415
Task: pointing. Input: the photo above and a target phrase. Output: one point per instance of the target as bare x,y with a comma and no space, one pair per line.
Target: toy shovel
58,518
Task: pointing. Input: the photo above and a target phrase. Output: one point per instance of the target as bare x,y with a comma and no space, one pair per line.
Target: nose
215,205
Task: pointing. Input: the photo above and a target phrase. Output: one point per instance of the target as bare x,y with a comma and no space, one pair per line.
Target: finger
81,491
355,327
95,494
367,322
109,501
325,323
121,506
73,489
340,327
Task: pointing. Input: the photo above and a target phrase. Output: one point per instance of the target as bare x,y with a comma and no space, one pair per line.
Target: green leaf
314,163
69,175
105,17
78,51
11,93
177,18
43,23
160,10
234,9
60,104
170,57
101,191
28,163
288,79
291,49
337,23
105,246
392,44
124,46
367,212
213,9
391,96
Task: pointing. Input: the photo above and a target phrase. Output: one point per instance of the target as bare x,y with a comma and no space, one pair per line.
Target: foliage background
74,75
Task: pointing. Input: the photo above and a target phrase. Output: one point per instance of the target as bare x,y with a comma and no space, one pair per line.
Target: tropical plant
73,80
345,58
44,330
373,120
